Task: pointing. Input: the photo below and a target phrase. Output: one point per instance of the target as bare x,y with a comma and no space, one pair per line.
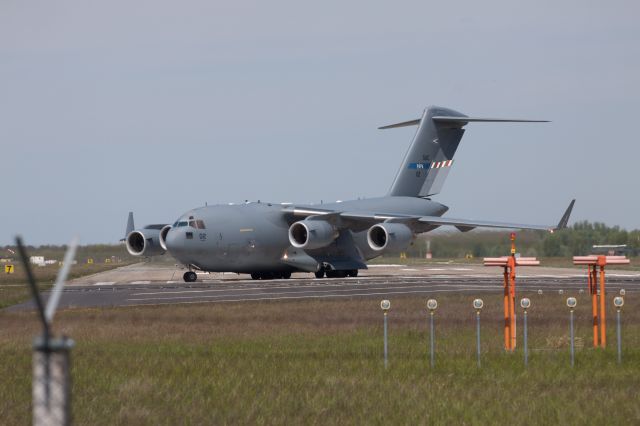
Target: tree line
573,241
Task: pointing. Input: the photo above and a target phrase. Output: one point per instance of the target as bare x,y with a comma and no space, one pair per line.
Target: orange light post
594,303
602,261
509,264
599,314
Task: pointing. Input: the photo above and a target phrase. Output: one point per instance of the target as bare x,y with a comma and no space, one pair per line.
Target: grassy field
320,362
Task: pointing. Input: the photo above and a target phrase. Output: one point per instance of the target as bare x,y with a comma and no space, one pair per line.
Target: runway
149,284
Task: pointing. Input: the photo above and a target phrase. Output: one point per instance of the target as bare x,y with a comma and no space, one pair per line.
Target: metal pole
603,315
478,335
52,382
433,341
526,351
386,362
507,319
619,335
571,334
594,305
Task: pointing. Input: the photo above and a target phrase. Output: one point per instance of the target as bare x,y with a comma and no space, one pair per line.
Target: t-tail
430,156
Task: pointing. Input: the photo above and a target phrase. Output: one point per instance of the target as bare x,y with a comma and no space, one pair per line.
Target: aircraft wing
357,221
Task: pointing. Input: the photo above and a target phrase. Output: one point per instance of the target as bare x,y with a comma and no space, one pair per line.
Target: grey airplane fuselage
253,237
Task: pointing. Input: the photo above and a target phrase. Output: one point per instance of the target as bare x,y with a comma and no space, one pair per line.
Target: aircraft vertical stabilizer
430,156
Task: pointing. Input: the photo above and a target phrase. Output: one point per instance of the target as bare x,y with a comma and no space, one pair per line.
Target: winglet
565,217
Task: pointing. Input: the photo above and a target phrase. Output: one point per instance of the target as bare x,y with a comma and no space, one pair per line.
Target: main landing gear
190,277
336,274
270,275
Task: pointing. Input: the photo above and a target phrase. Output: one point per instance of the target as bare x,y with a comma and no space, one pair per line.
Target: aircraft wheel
352,273
319,274
286,275
267,276
341,274
255,276
332,274
190,277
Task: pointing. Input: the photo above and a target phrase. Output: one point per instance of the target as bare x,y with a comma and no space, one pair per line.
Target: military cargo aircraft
270,240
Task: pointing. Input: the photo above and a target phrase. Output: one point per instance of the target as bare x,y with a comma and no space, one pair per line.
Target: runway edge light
432,305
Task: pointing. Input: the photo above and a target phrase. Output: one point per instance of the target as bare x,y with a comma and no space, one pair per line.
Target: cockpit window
198,224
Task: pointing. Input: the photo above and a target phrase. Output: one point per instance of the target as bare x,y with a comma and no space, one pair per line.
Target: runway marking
140,282
314,288
106,283
467,287
624,275
319,296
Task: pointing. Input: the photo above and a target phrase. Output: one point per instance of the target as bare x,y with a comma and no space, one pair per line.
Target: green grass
316,362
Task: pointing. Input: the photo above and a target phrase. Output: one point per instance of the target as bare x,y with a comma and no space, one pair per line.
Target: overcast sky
159,107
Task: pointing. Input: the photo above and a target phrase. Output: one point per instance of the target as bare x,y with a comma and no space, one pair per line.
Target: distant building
37,260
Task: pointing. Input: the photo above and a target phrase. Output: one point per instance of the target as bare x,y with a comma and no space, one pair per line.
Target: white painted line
140,282
302,297
314,287
624,275
105,283
467,287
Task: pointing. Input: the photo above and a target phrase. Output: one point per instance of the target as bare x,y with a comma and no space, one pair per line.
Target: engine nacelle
389,237
163,237
312,234
144,242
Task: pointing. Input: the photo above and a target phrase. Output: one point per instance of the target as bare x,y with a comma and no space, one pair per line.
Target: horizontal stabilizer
460,121
465,120
403,124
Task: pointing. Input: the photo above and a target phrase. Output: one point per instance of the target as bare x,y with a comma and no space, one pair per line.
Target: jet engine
391,237
163,237
312,234
144,242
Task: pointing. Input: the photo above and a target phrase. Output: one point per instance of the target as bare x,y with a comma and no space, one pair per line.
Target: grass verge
321,362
